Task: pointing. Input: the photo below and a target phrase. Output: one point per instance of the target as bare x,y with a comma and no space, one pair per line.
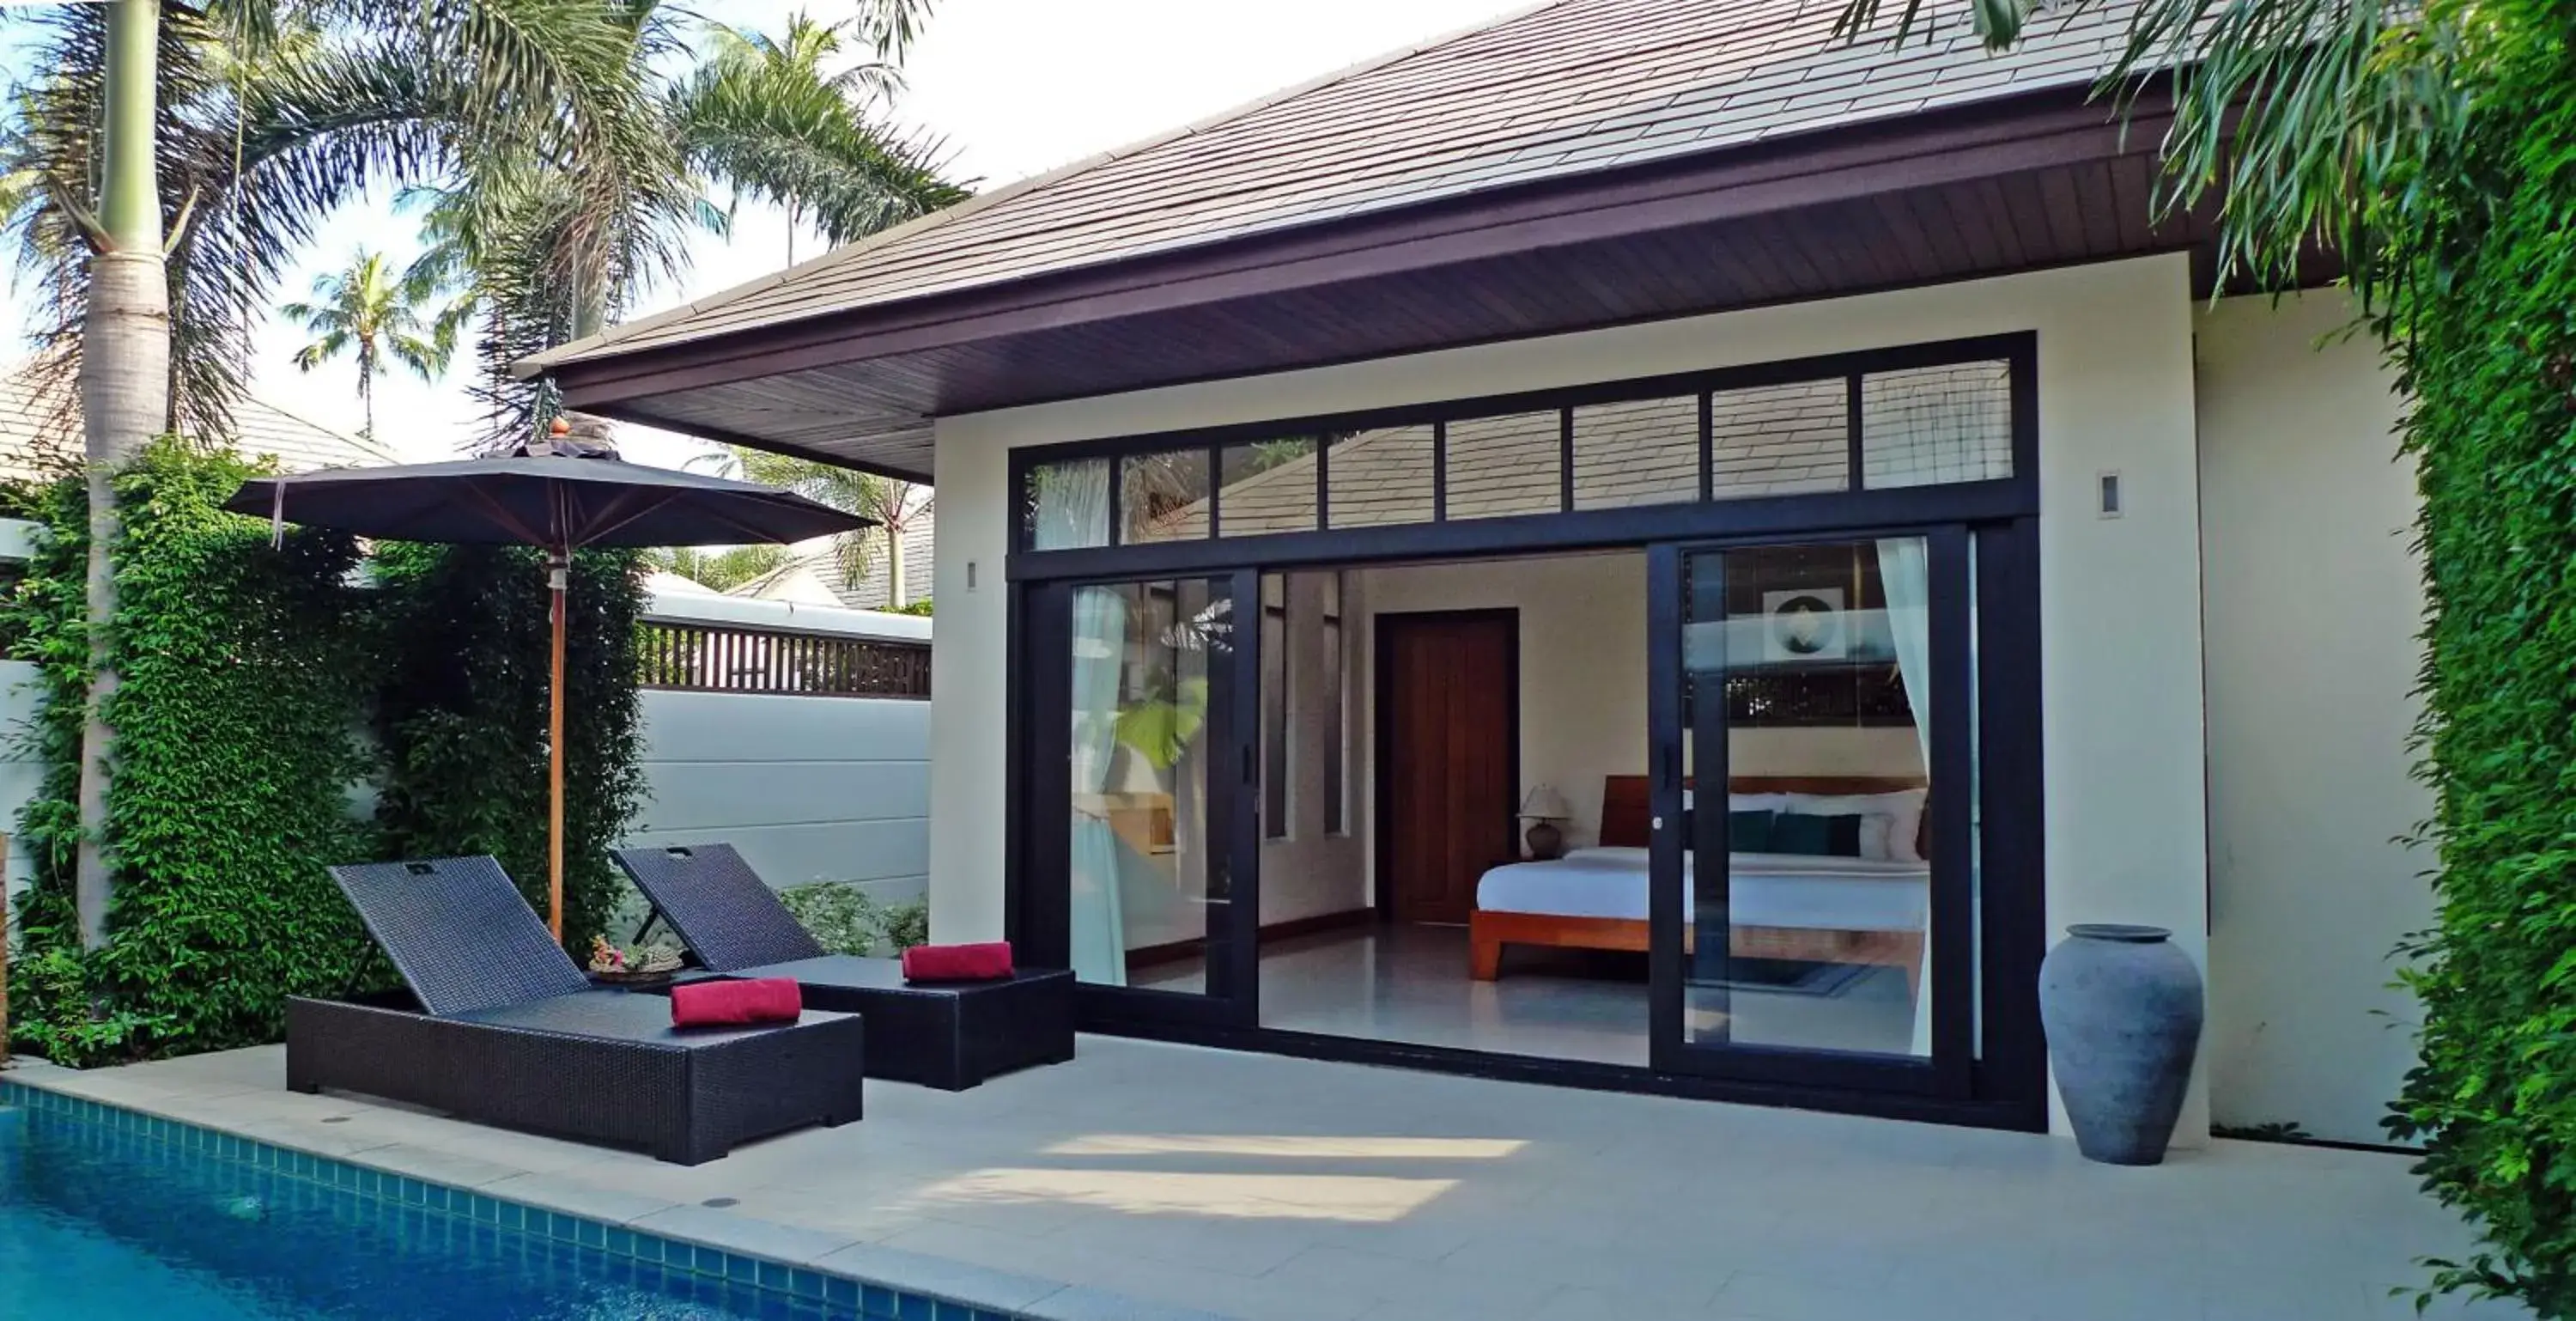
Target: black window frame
1565,527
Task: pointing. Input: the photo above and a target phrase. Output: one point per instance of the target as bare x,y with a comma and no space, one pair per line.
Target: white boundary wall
809,788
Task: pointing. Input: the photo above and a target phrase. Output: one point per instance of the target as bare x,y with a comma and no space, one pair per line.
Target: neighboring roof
814,577
40,432
1570,88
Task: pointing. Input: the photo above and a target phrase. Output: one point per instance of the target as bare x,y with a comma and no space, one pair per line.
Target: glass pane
1506,465
1976,816
1379,477
1067,505
1275,699
1336,707
1163,497
1780,439
1936,424
1813,931
1146,863
1640,452
1267,486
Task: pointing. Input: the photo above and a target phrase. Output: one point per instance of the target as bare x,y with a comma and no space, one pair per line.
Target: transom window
1745,433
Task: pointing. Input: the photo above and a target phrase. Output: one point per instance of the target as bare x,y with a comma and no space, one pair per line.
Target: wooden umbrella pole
558,575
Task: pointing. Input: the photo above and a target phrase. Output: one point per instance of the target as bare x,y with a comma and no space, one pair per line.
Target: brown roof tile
1566,88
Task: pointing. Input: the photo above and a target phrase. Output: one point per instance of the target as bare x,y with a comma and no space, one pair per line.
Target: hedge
2480,319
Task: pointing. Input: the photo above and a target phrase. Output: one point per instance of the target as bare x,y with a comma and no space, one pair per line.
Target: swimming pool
106,1215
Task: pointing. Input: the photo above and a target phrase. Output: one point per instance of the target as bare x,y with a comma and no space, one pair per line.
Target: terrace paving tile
1178,1182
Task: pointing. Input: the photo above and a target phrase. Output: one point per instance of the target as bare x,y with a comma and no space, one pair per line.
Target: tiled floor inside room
1263,1187
1410,984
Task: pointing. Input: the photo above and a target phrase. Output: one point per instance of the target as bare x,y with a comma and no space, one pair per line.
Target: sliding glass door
1814,851
1143,788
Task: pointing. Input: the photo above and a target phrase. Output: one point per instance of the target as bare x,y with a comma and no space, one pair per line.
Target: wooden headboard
1627,808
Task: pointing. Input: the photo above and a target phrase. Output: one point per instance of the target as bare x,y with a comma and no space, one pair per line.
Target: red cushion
732,1004
957,963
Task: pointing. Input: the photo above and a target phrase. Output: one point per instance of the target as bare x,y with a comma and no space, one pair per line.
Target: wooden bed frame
1627,817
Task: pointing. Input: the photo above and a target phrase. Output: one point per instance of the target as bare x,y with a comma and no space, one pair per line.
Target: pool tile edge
706,1241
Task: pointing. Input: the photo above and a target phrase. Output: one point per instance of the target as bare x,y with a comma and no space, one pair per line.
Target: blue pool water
103,1224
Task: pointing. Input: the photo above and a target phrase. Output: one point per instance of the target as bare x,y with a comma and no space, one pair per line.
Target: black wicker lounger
514,1034
949,1035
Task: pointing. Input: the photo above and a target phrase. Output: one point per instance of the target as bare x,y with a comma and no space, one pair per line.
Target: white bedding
1763,889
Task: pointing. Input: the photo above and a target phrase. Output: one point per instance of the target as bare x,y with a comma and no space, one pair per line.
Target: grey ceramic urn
2122,1007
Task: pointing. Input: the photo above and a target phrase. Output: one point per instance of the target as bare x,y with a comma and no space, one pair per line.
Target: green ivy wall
264,690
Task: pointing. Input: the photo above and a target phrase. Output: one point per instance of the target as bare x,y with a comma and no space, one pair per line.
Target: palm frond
2301,118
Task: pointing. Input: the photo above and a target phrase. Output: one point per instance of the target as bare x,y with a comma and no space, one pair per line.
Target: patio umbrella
560,496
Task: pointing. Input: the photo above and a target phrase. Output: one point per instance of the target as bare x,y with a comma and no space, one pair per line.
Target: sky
1009,87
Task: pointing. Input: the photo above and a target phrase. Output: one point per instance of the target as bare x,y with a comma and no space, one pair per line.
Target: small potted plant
643,965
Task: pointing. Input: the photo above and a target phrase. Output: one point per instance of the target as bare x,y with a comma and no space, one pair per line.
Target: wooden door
1448,694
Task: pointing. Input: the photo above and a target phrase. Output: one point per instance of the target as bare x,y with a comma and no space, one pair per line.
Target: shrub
844,920
461,715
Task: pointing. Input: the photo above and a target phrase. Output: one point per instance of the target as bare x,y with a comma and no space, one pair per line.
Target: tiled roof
1565,89
40,432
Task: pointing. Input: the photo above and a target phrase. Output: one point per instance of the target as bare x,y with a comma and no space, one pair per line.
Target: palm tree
132,180
165,166
895,505
786,84
721,569
2304,119
595,162
370,311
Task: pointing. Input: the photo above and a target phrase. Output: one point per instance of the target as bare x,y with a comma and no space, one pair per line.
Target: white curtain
1071,505
1902,577
1072,509
1099,917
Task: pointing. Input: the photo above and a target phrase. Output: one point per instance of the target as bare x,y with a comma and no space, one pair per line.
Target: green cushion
1749,832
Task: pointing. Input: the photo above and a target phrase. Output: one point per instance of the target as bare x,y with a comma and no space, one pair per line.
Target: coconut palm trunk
124,392
895,595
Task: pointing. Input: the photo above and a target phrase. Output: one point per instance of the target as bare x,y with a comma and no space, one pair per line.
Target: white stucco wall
2313,602
2120,597
1313,872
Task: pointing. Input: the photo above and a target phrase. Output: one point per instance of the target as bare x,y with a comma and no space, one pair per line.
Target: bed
1780,906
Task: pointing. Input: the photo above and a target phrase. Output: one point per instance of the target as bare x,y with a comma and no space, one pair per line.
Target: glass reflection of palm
1804,626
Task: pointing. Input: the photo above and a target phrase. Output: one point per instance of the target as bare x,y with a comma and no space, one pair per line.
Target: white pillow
1903,810
1743,802
1874,833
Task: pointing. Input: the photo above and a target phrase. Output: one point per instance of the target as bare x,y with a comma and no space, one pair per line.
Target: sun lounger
950,1035
507,1031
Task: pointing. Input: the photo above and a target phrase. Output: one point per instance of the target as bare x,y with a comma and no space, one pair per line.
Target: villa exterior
1562,420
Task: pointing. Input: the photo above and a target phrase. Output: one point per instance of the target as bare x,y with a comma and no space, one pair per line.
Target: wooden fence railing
726,658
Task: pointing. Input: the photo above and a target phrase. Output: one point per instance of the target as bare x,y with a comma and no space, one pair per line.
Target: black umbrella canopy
562,495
